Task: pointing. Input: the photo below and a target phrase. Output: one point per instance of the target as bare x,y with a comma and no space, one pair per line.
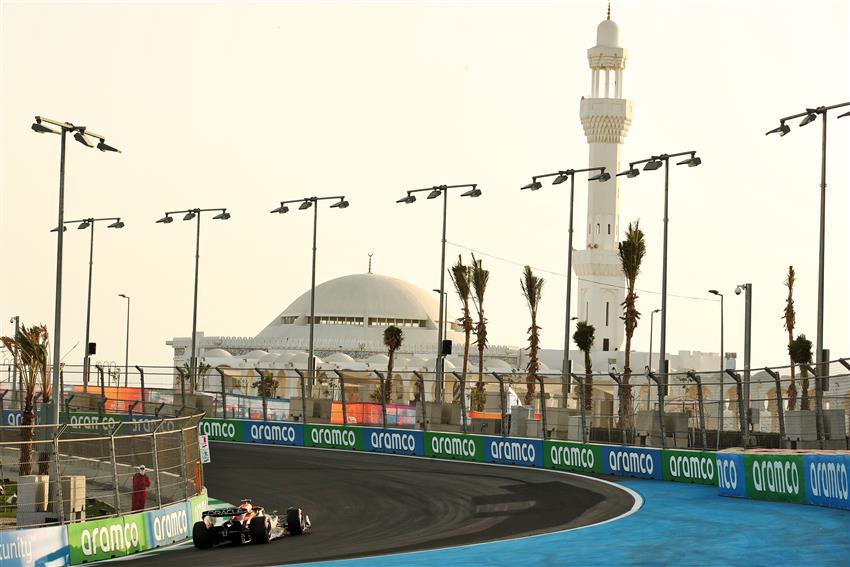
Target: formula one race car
247,524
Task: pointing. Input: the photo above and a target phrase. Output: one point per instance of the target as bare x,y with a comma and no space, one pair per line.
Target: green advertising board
454,446
696,467
221,429
569,456
333,436
105,539
198,505
775,477
88,421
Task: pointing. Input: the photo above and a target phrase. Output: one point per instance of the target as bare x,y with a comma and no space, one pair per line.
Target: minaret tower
606,117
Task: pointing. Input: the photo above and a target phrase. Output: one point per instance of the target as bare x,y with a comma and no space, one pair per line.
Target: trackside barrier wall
37,546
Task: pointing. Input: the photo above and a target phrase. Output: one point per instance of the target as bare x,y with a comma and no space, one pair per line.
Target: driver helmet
246,507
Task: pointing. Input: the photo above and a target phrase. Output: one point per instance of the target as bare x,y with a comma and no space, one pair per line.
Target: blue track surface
679,524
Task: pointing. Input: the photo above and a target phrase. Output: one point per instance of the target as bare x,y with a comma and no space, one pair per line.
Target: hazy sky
241,104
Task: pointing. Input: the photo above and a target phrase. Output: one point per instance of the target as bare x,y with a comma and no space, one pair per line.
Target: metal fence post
780,403
102,390
262,389
462,381
565,384
115,494
692,375
182,456
581,405
819,405
156,463
342,396
543,406
421,381
182,385
742,413
303,396
503,404
142,381
223,394
383,398
661,391
60,505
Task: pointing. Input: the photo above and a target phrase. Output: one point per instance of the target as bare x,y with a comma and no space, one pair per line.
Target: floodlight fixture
562,176
630,173
281,209
81,138
189,215
104,147
692,161
223,215
782,129
602,177
843,115
436,192
305,205
42,129
714,292
474,192
810,117
166,219
83,225
407,200
534,185
341,204
64,228
116,224
653,164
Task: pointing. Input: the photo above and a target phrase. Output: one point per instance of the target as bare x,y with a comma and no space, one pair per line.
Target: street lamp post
436,191
444,315
748,332
126,339
17,321
89,223
649,366
653,163
306,203
560,177
722,371
190,214
811,115
85,136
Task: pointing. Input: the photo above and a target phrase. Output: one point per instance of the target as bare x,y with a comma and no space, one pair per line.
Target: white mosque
352,311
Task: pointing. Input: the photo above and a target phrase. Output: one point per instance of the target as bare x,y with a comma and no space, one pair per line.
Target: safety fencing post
60,505
303,396
620,391
115,494
223,394
182,456
818,405
581,406
102,408
661,391
421,381
780,403
156,462
342,396
383,397
262,389
142,381
693,376
182,385
565,384
503,404
742,413
543,406
462,381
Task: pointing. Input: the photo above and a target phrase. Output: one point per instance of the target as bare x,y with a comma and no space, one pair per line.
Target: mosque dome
608,34
217,353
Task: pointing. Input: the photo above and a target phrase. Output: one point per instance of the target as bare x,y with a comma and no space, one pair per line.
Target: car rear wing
223,512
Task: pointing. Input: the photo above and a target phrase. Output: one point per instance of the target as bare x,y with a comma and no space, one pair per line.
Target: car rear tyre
295,521
202,536
260,529
238,535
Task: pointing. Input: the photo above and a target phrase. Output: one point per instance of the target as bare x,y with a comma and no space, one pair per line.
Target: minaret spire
609,9
370,262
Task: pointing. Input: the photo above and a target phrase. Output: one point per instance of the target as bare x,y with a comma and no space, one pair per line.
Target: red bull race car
247,524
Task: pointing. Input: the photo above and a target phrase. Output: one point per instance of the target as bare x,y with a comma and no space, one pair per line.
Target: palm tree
790,318
266,386
202,369
30,348
583,338
462,278
393,337
800,351
480,277
631,251
532,289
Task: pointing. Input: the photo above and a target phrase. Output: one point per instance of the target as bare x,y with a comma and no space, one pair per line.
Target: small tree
462,279
631,252
31,351
800,351
584,337
480,277
266,386
187,374
532,289
393,337
790,318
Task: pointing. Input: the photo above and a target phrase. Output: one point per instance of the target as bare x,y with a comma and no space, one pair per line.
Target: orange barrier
366,413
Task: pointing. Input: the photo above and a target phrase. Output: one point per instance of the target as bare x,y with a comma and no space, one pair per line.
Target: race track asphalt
369,504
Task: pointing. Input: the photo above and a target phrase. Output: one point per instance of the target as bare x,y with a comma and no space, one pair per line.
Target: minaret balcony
606,120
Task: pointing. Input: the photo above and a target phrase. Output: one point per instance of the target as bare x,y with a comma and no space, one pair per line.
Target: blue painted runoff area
679,524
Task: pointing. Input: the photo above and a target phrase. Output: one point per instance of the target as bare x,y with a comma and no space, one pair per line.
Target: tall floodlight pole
811,115
189,214
722,370
437,191
444,316
653,163
561,176
86,137
17,321
306,203
748,335
89,223
126,339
